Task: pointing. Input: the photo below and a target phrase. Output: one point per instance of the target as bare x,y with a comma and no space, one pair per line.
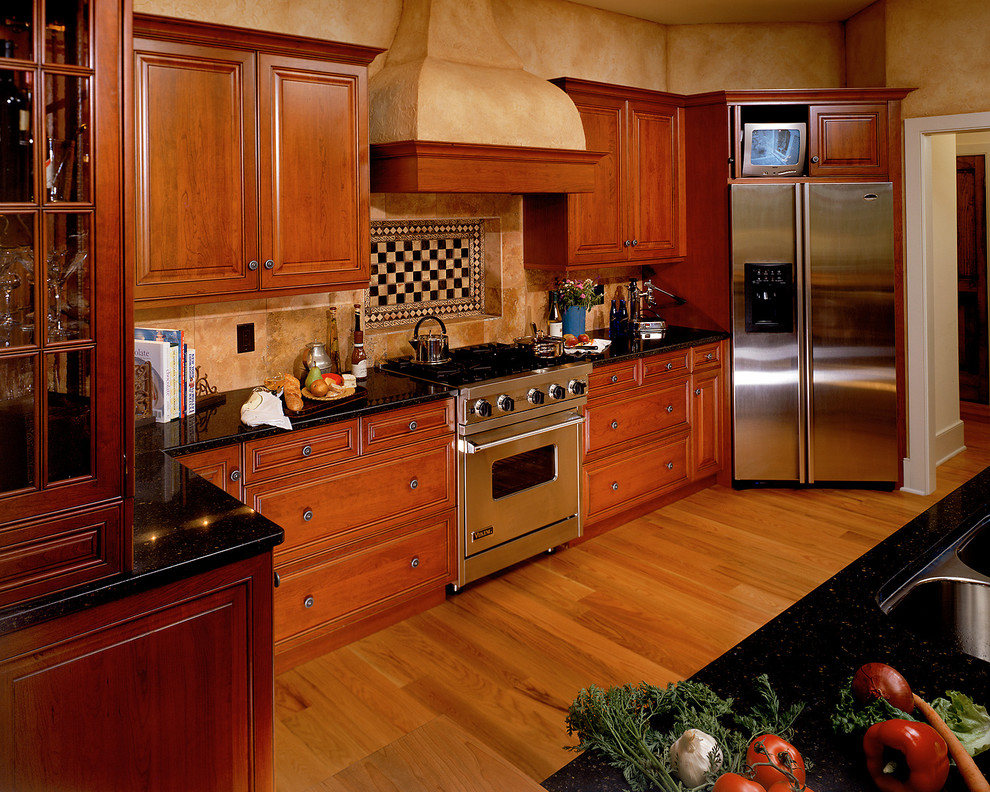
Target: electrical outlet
245,337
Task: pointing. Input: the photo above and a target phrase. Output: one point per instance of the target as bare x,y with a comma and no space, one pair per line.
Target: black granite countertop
813,647
675,338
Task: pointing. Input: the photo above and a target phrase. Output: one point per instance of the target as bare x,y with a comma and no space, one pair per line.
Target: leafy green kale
968,720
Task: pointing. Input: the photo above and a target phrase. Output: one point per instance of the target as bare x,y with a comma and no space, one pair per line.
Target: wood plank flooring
654,599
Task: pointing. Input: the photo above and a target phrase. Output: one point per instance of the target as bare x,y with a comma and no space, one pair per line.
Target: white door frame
919,465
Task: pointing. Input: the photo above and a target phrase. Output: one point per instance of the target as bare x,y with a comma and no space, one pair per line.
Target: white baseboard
949,442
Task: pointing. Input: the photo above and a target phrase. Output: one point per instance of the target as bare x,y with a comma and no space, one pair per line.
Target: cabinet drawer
613,378
312,508
343,582
219,466
301,450
673,364
387,430
616,482
707,356
617,423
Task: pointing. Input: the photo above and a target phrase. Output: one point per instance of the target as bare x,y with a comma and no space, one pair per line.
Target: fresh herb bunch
575,293
633,726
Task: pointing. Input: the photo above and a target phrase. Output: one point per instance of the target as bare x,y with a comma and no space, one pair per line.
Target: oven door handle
573,419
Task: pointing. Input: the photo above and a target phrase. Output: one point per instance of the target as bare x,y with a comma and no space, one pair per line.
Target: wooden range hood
428,166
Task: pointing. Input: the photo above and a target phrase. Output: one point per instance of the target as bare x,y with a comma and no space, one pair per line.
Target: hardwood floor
655,599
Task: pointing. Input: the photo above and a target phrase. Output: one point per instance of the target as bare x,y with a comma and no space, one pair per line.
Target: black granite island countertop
812,648
674,339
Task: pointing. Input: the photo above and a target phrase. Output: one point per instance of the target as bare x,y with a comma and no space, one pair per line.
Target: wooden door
219,466
197,211
314,174
971,256
596,220
847,140
655,195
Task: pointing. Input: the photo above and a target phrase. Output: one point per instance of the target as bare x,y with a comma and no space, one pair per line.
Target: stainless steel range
519,450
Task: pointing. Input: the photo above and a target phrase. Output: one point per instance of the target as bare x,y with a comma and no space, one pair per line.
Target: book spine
174,351
191,381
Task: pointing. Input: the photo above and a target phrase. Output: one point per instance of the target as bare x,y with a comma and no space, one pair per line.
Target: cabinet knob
235,475
697,391
635,242
709,356
307,515
415,562
670,408
814,159
615,486
413,484
670,366
627,243
670,466
269,264
412,426
309,602
307,450
252,265
615,378
614,424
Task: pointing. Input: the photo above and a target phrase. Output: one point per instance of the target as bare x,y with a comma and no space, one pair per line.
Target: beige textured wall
781,55
943,51
866,48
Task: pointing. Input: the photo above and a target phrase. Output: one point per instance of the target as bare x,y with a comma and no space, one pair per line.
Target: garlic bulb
689,757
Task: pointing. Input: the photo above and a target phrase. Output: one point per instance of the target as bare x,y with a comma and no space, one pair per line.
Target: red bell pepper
906,756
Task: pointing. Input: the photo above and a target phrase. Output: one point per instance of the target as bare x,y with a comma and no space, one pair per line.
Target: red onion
878,680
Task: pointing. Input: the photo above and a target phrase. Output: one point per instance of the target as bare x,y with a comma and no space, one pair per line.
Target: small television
775,149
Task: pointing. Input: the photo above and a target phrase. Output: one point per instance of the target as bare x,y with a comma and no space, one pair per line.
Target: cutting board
311,407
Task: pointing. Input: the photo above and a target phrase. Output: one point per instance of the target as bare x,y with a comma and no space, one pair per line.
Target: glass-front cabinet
62,310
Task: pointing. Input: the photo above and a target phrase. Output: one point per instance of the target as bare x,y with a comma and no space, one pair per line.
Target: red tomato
767,773
334,378
785,786
733,782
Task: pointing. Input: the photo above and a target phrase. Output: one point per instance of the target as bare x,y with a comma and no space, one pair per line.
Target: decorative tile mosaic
421,267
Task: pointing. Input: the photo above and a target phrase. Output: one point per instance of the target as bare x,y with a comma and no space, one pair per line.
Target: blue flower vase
574,318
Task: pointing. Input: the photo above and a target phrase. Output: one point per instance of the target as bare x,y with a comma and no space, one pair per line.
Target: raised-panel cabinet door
706,422
848,140
314,174
196,213
656,226
596,219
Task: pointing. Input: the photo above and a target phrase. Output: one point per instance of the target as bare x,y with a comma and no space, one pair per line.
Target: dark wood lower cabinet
169,689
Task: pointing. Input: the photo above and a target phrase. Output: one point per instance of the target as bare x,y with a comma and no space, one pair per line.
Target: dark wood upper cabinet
636,214
251,161
846,140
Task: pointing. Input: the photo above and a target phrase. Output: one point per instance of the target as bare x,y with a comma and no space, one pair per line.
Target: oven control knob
535,396
482,408
505,403
577,387
556,391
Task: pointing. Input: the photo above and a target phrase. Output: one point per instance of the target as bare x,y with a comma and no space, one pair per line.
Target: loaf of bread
291,392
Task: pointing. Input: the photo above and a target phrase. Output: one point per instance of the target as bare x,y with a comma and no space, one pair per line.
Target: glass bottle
334,342
613,314
359,360
15,134
555,321
622,320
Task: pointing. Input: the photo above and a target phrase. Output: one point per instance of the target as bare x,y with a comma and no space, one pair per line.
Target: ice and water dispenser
769,298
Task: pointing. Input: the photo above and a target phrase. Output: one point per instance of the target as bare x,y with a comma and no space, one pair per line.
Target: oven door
521,481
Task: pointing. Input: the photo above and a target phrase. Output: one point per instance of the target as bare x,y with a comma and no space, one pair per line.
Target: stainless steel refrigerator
813,368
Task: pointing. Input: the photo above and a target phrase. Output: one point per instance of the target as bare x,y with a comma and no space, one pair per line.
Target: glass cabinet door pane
69,415
16,162
17,423
17,27
16,280
67,32
67,247
67,144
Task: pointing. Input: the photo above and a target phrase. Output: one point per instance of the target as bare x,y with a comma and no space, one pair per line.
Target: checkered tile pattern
425,267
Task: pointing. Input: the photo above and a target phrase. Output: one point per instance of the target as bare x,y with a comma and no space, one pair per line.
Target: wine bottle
622,320
359,360
334,342
15,135
613,327
556,321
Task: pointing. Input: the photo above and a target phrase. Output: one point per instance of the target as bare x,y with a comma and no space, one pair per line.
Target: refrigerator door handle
802,224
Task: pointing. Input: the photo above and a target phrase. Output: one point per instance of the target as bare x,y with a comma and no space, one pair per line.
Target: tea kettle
431,348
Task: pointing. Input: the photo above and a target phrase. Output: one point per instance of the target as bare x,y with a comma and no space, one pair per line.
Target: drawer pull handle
307,450
415,562
235,475
614,424
709,356
670,408
697,391
615,486
670,366
412,426
278,580
670,466
309,602
308,515
615,378
413,484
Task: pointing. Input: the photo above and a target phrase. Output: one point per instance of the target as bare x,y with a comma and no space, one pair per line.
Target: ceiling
679,12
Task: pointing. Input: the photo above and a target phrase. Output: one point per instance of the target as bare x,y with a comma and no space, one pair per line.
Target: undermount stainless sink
948,597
